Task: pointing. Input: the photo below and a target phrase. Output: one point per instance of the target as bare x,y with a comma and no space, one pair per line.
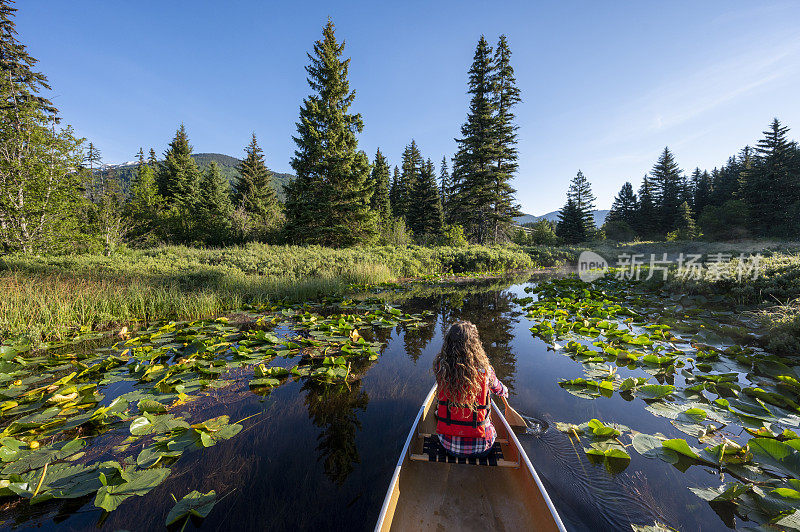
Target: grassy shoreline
51,297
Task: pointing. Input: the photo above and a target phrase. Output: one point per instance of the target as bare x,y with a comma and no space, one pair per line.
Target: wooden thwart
434,452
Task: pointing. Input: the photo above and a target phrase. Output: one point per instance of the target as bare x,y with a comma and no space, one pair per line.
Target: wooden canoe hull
442,496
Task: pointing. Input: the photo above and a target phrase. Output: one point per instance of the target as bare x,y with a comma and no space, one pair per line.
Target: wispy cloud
706,88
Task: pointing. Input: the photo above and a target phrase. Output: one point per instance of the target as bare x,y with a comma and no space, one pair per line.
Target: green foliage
328,203
618,230
771,187
571,228
143,211
403,202
625,206
380,189
39,186
686,229
669,191
395,233
50,296
178,179
425,213
453,236
543,234
506,96
255,194
214,208
580,192
726,222
471,196
106,212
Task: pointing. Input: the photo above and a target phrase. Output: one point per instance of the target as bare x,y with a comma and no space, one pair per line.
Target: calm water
322,460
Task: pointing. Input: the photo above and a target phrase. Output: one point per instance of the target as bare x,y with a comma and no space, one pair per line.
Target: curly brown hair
461,365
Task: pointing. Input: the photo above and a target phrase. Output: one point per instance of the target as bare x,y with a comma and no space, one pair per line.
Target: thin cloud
706,89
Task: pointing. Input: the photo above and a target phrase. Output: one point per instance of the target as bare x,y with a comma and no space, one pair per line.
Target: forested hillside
227,168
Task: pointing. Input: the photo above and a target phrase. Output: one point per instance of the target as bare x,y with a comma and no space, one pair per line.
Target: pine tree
701,190
143,209
444,187
625,206
255,193
409,176
40,189
395,194
580,192
108,211
425,209
178,175
380,189
505,96
329,201
646,217
685,226
726,182
215,207
669,189
771,188
93,157
140,162
19,84
571,227
474,165
152,160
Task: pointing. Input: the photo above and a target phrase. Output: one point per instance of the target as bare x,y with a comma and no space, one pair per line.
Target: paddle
512,416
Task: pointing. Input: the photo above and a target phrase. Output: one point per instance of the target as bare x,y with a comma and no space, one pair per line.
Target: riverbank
48,298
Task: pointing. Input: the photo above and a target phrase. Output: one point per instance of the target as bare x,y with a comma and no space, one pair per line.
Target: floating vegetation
59,406
707,385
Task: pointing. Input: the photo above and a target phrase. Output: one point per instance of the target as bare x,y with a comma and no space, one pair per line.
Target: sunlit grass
48,297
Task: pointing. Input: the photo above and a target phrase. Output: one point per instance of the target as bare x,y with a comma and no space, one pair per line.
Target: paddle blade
514,419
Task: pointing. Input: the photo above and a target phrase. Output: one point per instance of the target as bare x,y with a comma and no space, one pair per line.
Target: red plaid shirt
461,445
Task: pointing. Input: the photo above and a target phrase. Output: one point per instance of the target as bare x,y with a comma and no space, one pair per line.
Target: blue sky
605,85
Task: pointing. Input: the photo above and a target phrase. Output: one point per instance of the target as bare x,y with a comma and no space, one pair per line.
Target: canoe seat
434,452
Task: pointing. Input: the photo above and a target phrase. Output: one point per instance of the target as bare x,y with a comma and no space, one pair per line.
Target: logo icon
591,266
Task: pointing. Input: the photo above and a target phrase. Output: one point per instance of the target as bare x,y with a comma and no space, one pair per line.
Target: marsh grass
51,297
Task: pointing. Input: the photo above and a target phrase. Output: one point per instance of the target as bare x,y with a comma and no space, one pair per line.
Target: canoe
431,491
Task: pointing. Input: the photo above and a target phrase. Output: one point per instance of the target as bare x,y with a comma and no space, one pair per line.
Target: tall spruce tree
40,189
329,201
395,194
685,225
625,206
143,209
505,96
772,187
255,192
571,226
178,174
444,187
580,192
380,203
646,215
425,208
20,85
215,207
178,179
472,194
669,191
152,160
409,177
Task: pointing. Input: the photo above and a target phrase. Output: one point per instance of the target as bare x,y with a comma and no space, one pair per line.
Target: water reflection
334,408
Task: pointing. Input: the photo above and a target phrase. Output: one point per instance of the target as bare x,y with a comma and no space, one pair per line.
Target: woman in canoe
464,379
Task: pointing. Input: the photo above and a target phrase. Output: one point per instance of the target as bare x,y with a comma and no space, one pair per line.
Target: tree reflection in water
332,407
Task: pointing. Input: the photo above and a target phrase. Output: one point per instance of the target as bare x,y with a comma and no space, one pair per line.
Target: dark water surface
322,460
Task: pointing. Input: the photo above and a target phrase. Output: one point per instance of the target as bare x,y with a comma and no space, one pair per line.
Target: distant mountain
227,167
599,217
